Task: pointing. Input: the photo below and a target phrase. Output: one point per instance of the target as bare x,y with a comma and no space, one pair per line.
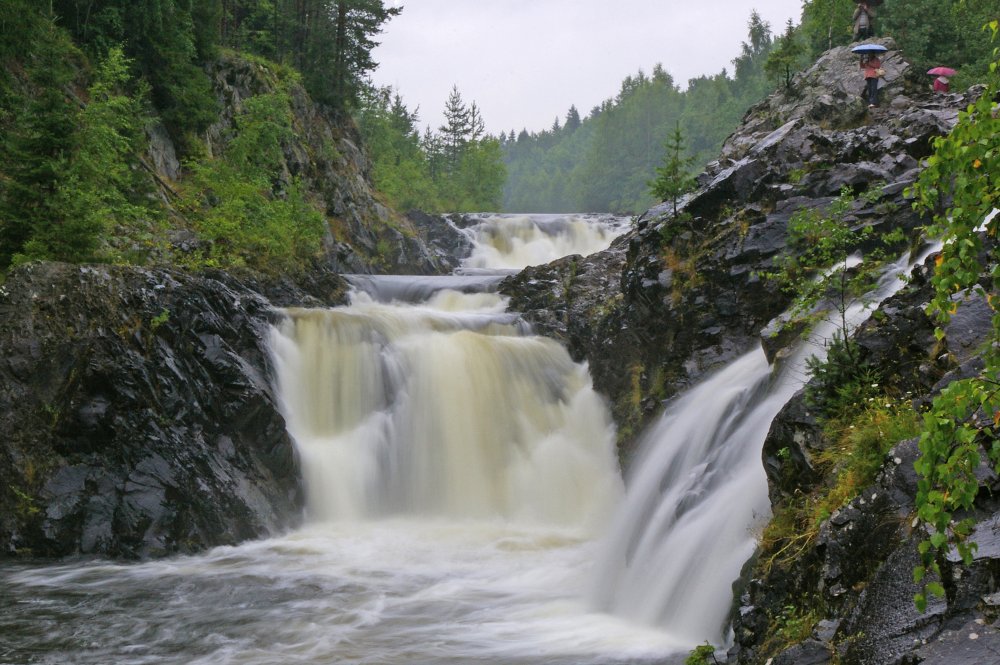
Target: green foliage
964,175
841,380
816,269
241,203
458,169
673,178
36,143
701,655
825,24
933,33
87,193
786,57
166,39
858,433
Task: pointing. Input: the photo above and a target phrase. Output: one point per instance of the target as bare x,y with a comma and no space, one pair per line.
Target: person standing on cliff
863,17
872,67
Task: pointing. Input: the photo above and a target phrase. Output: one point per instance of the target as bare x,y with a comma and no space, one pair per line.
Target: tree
825,24
783,59
36,148
456,130
673,179
753,51
572,120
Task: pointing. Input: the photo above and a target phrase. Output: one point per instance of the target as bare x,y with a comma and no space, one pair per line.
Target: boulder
139,414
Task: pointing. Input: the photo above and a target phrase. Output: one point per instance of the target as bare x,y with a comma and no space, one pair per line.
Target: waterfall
697,494
445,409
519,241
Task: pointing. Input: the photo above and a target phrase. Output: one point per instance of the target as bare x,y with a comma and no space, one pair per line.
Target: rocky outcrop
859,569
681,295
137,413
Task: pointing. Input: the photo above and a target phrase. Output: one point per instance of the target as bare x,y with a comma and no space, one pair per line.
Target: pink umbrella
942,71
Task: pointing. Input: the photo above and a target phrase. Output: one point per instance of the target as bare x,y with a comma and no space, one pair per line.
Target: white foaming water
427,411
697,493
519,241
457,471
406,592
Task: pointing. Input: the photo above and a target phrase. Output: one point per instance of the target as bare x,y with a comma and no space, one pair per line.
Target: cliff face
679,296
138,414
365,236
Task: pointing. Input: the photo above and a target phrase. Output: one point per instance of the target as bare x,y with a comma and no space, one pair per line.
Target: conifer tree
455,132
783,60
672,179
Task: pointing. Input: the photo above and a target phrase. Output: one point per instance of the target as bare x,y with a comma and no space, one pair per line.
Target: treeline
81,82
607,160
458,168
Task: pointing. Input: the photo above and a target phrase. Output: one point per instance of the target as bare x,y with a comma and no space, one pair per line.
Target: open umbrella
942,71
869,48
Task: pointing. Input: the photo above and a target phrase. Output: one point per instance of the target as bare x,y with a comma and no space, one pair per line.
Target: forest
82,82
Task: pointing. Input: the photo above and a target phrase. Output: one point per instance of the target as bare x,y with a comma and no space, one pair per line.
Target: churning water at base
409,592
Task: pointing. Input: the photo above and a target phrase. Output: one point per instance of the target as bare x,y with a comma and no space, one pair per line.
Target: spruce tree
672,179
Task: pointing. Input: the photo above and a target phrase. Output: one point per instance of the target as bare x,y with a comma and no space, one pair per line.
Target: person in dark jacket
864,16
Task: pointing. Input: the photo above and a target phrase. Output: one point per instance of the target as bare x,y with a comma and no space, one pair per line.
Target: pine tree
456,130
572,120
672,179
784,58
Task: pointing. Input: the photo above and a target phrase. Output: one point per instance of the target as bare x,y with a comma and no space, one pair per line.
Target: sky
525,62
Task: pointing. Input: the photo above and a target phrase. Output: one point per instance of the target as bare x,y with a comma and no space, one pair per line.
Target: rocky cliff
681,295
137,413
677,297
364,235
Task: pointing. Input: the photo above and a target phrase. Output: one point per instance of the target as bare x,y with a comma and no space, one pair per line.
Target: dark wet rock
444,239
810,652
974,643
886,626
138,413
791,443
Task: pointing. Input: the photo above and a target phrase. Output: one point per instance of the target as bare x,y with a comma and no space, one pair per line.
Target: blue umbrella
869,48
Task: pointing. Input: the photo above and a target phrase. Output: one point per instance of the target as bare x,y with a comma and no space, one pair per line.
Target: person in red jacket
872,67
941,84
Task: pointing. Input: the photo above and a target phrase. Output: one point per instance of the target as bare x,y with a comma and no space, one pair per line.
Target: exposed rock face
860,567
137,413
678,296
689,295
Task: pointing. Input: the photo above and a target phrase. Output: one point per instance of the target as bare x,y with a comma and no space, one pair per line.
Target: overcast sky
524,62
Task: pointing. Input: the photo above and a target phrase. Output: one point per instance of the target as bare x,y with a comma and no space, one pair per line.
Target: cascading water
443,409
457,470
519,241
697,493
